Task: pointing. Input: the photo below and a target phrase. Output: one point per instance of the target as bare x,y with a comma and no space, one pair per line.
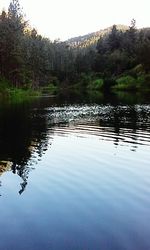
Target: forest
118,59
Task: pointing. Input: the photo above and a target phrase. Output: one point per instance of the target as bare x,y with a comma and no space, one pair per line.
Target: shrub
126,83
144,81
50,89
96,84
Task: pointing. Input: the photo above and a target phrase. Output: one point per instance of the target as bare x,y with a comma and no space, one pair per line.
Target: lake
75,173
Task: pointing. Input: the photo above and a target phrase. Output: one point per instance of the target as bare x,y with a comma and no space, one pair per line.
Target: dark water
75,175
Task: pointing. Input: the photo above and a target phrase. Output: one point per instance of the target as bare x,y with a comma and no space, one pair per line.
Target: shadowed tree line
24,139
121,60
28,60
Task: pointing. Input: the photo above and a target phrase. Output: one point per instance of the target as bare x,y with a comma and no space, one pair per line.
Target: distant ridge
90,40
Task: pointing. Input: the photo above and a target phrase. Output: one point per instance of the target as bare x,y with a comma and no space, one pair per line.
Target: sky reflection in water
78,176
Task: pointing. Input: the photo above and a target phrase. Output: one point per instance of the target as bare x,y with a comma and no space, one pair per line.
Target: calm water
75,175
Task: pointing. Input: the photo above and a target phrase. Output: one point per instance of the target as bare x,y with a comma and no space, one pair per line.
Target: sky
69,18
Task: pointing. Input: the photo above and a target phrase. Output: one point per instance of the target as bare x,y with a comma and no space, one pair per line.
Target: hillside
90,40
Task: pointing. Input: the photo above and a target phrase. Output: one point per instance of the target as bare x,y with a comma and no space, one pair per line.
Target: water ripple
90,186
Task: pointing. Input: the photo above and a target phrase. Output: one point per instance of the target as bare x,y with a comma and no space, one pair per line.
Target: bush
85,79
50,89
17,95
126,83
96,84
144,81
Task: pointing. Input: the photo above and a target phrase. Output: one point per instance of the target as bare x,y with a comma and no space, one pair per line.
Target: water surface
75,174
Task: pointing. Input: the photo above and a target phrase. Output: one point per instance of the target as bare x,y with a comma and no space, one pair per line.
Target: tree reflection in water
26,131
23,132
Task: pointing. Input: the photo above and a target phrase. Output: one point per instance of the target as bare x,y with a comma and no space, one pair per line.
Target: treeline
122,58
28,60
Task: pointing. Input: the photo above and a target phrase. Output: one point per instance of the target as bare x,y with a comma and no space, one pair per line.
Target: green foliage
16,92
144,53
120,52
17,95
95,95
4,85
30,61
26,58
96,84
126,83
50,89
141,80
144,81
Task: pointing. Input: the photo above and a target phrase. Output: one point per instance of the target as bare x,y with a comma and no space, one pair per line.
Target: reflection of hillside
134,117
125,125
26,131
23,133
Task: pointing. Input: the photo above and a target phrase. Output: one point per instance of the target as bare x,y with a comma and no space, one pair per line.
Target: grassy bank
130,83
126,82
89,83
17,94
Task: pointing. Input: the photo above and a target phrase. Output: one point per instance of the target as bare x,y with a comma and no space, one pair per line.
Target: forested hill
28,60
91,39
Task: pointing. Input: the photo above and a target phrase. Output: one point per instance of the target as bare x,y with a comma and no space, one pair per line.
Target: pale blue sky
68,18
